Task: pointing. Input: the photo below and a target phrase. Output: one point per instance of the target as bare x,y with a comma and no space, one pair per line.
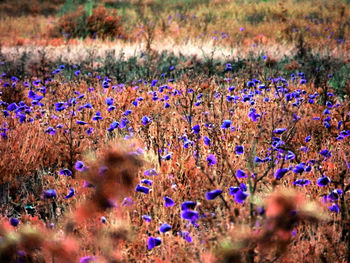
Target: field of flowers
154,131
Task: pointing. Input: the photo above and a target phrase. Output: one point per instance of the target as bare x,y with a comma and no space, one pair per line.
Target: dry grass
263,22
278,221
186,176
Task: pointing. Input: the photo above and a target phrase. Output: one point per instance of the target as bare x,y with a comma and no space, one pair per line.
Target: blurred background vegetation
224,20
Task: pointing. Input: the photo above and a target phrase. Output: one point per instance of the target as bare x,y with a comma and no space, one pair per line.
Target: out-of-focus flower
14,221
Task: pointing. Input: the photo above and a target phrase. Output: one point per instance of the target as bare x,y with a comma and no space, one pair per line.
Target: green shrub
340,81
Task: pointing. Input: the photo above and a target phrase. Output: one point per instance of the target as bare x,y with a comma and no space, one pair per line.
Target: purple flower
51,193
228,66
240,196
32,95
109,101
113,126
6,113
153,242
146,181
299,168
233,190
326,124
326,153
279,130
187,143
142,189
97,116
307,138
231,88
188,205
164,228
89,130
154,82
241,174
145,120
127,202
226,124
36,82
250,84
243,187
213,194
167,157
308,168
239,149
14,221
81,122
206,140
147,218
196,129
326,112
12,106
70,194
87,106
65,172
323,181
50,130
302,182
86,184
87,259
230,98
211,159
150,172
168,201
290,155
304,149
334,195
110,108
334,208
4,135
185,235
190,215
102,169
258,160
280,173
79,166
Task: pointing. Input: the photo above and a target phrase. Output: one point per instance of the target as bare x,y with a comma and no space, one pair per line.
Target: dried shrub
102,23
